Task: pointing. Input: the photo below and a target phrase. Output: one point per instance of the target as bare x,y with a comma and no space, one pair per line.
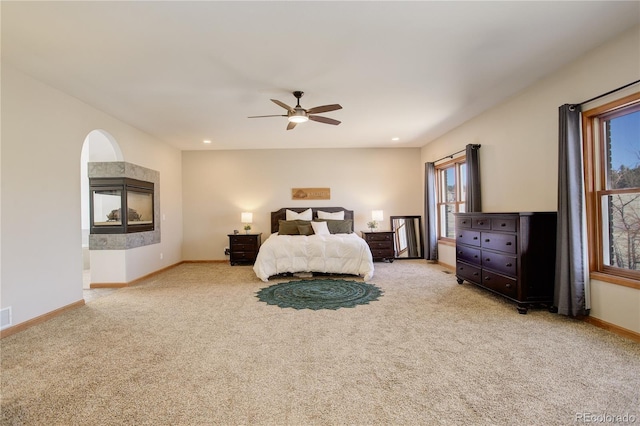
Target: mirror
407,237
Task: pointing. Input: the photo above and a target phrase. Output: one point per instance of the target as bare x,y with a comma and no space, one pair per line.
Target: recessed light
395,139
206,141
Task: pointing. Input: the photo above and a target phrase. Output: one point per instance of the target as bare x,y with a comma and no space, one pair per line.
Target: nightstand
381,245
243,248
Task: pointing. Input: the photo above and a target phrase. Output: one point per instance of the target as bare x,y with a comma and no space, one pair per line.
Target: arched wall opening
98,146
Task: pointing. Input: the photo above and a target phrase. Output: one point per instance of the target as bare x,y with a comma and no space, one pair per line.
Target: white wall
519,153
219,185
42,135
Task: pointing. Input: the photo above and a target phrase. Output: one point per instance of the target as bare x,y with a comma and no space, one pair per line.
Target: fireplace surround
138,186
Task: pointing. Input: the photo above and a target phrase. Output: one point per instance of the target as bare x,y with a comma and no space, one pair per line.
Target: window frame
439,168
595,176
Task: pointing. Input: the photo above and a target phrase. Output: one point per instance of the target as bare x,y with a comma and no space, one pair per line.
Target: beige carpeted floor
194,346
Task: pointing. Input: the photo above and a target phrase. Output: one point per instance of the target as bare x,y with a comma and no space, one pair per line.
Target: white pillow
305,215
334,216
320,228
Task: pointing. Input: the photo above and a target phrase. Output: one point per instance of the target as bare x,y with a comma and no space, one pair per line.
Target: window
451,178
612,165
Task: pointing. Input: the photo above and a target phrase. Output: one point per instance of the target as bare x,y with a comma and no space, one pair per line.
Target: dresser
243,248
511,254
381,245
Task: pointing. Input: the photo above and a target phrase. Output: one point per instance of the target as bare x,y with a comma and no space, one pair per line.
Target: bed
313,239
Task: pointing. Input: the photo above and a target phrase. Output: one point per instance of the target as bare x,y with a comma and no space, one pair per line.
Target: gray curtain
571,297
431,224
474,197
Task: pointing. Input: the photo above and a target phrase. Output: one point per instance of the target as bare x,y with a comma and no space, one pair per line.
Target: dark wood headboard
282,214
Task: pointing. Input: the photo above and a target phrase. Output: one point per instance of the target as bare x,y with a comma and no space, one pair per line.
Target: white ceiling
189,71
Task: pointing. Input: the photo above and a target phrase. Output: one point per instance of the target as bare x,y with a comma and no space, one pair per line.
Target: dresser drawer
502,242
468,272
382,254
481,223
468,254
239,256
243,239
244,247
381,245
501,284
500,263
506,224
378,236
468,237
463,222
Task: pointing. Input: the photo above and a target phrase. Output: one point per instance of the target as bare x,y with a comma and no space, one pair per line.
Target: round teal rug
319,294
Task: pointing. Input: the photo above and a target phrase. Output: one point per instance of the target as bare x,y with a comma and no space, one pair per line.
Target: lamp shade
376,215
246,217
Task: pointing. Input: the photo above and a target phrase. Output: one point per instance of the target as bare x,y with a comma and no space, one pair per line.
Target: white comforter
335,253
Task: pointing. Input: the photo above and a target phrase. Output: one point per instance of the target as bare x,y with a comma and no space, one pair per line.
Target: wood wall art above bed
281,214
310,193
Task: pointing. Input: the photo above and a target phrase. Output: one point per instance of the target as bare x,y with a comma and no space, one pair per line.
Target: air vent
5,318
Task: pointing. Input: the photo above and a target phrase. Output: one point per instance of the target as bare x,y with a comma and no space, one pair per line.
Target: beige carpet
194,346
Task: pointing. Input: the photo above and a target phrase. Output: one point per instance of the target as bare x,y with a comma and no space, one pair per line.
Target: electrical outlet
227,252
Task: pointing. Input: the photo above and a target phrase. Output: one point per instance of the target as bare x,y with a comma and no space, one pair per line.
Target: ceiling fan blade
282,104
261,116
325,120
291,125
324,108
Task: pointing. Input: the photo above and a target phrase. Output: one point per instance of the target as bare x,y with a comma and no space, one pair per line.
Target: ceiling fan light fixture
298,119
296,115
299,116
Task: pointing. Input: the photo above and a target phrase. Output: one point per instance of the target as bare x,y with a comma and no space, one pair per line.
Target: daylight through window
451,180
612,133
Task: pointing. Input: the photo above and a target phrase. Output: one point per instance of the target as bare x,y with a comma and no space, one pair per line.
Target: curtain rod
474,146
609,92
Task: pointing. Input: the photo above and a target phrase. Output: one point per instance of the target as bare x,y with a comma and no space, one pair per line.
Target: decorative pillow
305,215
320,228
290,227
305,229
327,215
339,226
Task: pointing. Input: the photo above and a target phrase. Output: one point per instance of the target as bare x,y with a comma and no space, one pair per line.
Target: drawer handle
460,252
475,238
508,265
503,224
486,241
475,274
464,222
487,260
508,243
475,256
508,285
487,278
480,222
460,236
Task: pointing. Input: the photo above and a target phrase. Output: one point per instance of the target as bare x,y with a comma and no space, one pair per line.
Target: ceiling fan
300,115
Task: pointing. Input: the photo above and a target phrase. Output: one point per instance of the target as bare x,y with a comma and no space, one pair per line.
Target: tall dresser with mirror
511,254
